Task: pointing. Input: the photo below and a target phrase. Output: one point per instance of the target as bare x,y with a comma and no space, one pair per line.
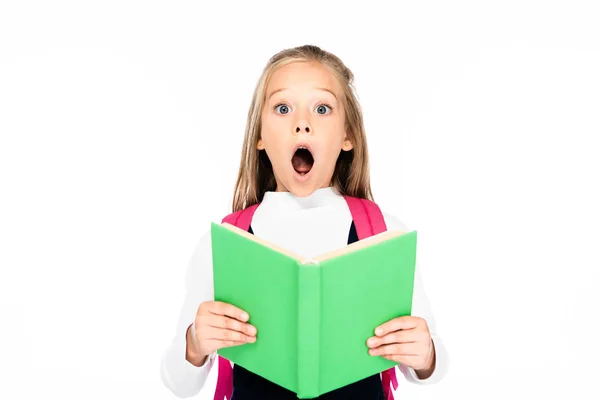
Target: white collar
287,201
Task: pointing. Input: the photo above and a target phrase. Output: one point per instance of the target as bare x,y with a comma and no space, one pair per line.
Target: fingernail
252,330
251,339
244,316
378,331
371,342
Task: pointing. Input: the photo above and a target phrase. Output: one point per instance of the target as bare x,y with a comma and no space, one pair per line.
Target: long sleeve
179,375
421,308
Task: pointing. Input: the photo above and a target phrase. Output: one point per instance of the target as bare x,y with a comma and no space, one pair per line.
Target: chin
303,190
299,189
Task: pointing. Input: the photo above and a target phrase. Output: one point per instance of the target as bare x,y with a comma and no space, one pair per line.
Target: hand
218,325
405,340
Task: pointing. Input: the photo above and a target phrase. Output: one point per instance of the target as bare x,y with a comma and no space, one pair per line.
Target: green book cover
314,316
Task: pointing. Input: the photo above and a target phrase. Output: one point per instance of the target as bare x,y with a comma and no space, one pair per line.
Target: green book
313,316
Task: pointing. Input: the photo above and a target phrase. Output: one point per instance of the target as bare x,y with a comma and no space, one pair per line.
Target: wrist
427,371
192,354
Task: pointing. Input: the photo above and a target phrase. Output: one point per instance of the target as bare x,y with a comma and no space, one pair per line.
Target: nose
303,128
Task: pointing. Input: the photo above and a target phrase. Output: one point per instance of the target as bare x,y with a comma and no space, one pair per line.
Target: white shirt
289,222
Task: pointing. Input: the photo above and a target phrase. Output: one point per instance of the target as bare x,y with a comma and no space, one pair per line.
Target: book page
375,239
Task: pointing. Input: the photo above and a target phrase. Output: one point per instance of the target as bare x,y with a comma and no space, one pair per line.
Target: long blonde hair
351,174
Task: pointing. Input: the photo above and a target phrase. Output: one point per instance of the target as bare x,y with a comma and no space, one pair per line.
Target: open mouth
302,161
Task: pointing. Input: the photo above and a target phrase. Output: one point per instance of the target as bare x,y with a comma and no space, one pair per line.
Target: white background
121,125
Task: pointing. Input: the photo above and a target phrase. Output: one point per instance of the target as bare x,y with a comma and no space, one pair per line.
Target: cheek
333,128
333,148
329,124
268,132
275,143
274,126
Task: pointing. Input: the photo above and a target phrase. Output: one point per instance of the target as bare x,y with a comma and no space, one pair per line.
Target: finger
407,322
223,322
403,336
221,308
211,333
395,349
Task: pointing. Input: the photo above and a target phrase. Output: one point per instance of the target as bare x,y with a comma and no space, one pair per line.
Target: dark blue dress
249,386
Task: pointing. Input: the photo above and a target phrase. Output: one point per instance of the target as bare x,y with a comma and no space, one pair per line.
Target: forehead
303,76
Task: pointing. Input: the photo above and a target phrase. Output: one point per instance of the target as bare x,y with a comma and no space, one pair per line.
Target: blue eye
322,107
283,107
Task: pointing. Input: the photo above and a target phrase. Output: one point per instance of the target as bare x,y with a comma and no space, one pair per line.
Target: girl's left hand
405,340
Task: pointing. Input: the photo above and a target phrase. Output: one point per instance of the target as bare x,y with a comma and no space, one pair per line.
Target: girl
304,149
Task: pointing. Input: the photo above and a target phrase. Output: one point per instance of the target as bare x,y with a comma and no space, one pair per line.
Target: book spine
309,328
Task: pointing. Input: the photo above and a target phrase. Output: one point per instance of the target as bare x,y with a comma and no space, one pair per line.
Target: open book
313,316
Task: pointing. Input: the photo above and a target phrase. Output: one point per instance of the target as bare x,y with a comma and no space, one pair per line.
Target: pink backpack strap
368,221
241,218
389,380
367,217
224,389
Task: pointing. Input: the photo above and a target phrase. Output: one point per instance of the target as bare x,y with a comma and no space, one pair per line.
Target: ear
260,145
347,146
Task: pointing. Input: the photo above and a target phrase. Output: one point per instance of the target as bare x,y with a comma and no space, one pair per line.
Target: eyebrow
279,90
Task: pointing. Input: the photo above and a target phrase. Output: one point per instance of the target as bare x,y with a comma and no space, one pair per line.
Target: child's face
307,112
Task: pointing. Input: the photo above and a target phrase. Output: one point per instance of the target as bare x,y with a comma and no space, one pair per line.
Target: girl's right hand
220,325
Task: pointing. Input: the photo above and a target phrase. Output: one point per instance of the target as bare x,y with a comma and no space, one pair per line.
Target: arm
422,308
182,371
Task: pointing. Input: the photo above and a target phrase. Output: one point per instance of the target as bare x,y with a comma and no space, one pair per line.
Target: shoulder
392,222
